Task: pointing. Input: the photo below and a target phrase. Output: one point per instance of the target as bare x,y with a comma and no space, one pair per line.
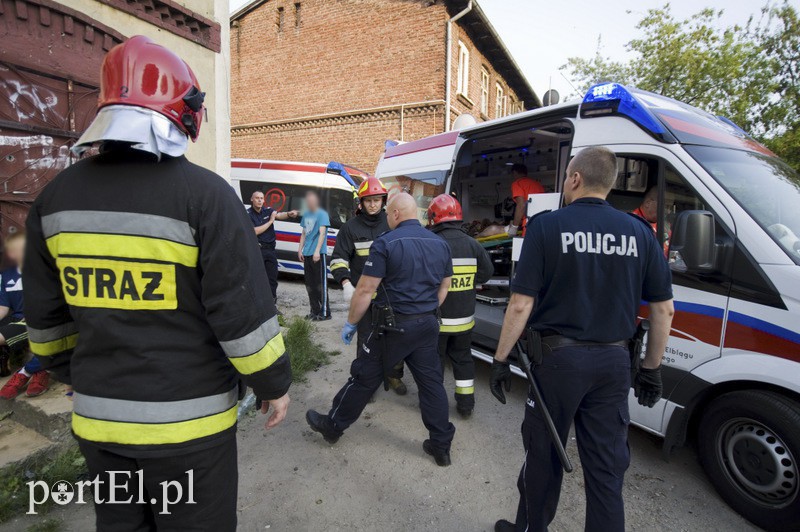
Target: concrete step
18,443
48,414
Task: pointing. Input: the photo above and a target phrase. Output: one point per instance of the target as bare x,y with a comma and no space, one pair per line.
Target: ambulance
728,216
284,184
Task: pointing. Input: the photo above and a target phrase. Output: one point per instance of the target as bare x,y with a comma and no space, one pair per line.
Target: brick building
322,80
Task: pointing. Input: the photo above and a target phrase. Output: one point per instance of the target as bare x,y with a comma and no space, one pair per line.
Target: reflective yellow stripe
261,359
362,252
53,347
456,328
338,265
152,433
466,390
465,269
122,246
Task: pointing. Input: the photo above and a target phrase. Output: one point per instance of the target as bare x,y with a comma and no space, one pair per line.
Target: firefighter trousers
588,385
417,347
457,348
212,485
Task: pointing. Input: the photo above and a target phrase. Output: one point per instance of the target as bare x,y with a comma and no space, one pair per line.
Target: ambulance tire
749,445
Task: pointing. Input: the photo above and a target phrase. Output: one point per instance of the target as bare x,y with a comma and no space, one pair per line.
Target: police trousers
271,265
213,488
458,349
363,331
587,385
417,347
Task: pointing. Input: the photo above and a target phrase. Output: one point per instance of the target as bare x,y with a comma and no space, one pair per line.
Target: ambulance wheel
749,445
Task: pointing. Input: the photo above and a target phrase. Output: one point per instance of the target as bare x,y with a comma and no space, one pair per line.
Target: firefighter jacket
353,243
146,291
471,266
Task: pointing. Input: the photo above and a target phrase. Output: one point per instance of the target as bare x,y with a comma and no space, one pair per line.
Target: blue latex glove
348,331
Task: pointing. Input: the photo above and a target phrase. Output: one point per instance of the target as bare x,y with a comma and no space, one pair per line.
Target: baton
548,420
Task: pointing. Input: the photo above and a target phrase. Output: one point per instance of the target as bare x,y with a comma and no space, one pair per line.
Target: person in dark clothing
350,254
145,292
263,219
408,272
471,266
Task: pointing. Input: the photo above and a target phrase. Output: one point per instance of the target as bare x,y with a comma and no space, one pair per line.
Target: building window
512,105
463,69
499,101
297,15
279,22
484,91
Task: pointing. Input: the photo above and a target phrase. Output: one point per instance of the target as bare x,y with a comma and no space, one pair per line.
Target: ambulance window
341,206
422,192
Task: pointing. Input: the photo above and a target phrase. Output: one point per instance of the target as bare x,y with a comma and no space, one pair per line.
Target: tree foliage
750,73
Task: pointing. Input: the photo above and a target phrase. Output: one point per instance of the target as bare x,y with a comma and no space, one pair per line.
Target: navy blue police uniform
266,241
412,262
588,266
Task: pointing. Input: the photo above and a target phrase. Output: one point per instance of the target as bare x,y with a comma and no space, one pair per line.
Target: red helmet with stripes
444,208
371,187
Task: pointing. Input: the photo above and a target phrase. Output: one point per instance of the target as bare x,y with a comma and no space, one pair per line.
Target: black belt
558,341
409,317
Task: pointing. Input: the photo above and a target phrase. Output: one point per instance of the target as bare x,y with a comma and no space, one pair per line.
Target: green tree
750,73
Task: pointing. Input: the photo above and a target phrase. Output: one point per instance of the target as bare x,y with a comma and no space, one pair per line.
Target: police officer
471,266
582,273
263,219
409,269
350,253
145,291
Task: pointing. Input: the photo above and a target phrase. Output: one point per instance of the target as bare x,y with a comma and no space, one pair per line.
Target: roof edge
245,9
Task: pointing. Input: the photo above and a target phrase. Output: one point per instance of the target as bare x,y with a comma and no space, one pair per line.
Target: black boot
323,425
5,358
504,526
442,458
465,404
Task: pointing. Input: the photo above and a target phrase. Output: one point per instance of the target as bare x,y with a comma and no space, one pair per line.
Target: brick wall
477,61
330,86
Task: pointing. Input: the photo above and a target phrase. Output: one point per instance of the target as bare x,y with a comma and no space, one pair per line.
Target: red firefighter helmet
371,187
444,208
142,73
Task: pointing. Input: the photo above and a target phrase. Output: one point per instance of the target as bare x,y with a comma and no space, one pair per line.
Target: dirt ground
377,477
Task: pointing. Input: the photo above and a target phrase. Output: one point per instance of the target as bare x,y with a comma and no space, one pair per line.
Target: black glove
647,386
501,377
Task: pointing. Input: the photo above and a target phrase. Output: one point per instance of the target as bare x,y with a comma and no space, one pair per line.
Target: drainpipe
449,74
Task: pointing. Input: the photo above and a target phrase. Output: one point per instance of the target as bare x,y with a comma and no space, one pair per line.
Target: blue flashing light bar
339,169
613,99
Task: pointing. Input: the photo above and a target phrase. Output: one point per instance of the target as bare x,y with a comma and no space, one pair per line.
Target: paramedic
145,293
313,253
263,219
351,251
648,210
471,267
582,274
409,268
522,187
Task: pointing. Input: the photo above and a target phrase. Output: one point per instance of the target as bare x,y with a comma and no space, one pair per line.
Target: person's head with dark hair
312,200
591,173
519,170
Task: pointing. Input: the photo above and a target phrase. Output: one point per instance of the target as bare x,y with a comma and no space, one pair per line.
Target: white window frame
462,83
484,91
499,100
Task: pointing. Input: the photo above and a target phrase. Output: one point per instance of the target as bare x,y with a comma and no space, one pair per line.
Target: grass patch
305,353
47,525
67,465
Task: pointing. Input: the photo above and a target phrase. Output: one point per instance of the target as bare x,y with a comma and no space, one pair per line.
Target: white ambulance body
729,218
284,184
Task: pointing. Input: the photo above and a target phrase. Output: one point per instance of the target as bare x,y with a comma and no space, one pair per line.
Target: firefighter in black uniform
351,251
408,271
471,266
146,292
583,273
